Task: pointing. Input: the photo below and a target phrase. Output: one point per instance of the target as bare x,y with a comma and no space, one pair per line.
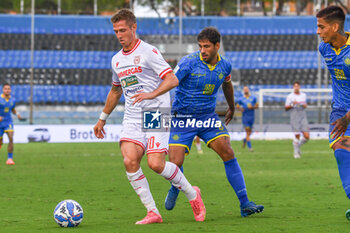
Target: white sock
296,145
303,141
172,173
140,184
199,146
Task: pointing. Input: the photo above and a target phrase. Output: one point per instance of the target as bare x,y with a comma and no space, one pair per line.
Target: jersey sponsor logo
209,89
137,60
134,91
327,59
339,74
194,74
155,51
6,109
127,72
129,81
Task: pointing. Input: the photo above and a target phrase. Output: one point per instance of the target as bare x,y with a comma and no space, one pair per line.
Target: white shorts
151,142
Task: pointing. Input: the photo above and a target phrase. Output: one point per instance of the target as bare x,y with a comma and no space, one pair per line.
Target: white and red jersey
140,70
300,99
297,113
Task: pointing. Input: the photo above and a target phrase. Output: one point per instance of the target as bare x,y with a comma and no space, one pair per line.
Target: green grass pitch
302,195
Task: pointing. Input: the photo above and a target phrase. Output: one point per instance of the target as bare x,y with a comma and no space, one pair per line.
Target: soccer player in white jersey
296,104
140,72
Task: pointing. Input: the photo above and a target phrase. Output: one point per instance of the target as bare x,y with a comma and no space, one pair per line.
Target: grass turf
302,195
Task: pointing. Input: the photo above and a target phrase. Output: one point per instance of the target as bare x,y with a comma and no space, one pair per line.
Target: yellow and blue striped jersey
199,83
338,63
6,106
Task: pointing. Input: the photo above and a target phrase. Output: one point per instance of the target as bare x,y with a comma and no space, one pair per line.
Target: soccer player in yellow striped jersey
7,107
335,50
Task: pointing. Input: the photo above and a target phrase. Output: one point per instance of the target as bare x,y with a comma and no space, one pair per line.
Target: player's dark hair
124,14
6,84
211,34
332,13
296,82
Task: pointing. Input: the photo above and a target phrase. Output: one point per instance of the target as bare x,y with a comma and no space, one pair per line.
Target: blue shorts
335,115
182,133
248,122
7,128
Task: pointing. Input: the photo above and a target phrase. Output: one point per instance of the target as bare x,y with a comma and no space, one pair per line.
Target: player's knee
156,166
227,154
130,163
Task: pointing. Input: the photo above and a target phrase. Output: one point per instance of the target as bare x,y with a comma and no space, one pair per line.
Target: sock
244,140
10,155
235,177
173,173
343,160
303,141
249,144
199,146
182,170
140,184
296,146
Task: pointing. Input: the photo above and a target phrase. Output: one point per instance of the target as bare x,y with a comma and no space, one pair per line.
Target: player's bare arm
111,102
16,113
229,96
169,82
340,126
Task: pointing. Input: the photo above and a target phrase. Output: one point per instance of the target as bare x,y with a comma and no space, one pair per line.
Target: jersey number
209,89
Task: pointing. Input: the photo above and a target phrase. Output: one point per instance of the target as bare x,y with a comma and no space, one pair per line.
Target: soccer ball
68,213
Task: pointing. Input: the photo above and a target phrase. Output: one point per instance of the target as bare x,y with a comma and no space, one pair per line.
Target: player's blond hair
124,14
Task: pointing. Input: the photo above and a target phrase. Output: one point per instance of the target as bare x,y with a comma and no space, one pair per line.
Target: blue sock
343,160
235,177
182,169
244,140
249,144
9,155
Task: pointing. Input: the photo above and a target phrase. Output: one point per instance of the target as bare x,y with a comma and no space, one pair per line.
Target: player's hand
1,118
19,116
142,96
229,115
340,127
98,129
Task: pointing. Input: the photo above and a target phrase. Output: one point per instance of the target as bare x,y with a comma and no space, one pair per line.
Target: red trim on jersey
116,84
133,141
133,49
227,79
165,72
157,151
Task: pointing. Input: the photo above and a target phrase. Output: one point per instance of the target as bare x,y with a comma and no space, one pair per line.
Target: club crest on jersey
221,75
347,61
137,60
117,64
